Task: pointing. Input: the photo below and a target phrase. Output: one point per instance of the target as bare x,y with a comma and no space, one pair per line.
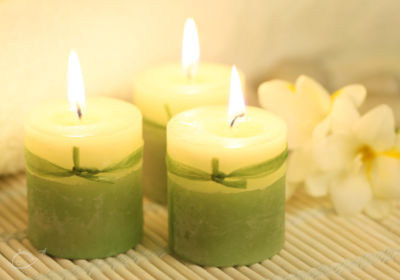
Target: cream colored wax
164,91
109,131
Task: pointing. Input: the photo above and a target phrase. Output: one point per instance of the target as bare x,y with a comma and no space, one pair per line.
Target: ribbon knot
216,175
218,178
222,178
84,172
76,171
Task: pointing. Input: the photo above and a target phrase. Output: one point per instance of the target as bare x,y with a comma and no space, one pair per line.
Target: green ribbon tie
43,167
234,179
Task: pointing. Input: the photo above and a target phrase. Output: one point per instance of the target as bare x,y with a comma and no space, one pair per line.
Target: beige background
335,41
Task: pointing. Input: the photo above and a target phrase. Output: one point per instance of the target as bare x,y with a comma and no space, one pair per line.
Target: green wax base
226,229
154,169
78,218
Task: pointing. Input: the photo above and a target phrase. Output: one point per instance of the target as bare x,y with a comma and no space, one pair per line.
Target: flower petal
300,164
322,129
318,184
377,128
302,109
314,101
313,95
279,97
343,115
378,208
356,93
275,93
335,152
385,177
350,194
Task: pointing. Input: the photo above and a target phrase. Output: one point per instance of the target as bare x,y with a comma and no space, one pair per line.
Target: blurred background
336,42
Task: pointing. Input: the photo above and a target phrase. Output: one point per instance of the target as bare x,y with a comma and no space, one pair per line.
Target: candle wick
79,111
190,71
235,118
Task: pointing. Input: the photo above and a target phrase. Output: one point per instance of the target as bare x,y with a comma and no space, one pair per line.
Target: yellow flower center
292,88
367,154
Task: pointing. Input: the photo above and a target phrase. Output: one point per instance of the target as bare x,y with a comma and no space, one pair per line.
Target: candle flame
190,48
237,108
76,89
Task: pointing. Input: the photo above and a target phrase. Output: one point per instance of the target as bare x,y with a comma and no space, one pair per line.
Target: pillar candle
165,90
226,185
84,178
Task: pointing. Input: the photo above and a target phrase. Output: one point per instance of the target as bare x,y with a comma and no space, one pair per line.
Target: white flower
363,159
304,106
335,151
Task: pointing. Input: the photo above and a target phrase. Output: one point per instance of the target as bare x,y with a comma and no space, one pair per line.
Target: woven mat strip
319,245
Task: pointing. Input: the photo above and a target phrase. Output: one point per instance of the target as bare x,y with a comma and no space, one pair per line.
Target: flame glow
190,48
237,108
76,89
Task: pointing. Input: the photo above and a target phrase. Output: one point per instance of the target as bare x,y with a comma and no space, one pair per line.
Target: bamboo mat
319,245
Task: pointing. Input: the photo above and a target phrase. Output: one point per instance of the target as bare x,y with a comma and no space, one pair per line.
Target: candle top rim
170,74
175,64
190,128
105,115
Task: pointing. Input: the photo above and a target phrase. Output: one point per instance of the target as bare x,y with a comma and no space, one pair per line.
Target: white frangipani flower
335,151
342,115
365,162
304,106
